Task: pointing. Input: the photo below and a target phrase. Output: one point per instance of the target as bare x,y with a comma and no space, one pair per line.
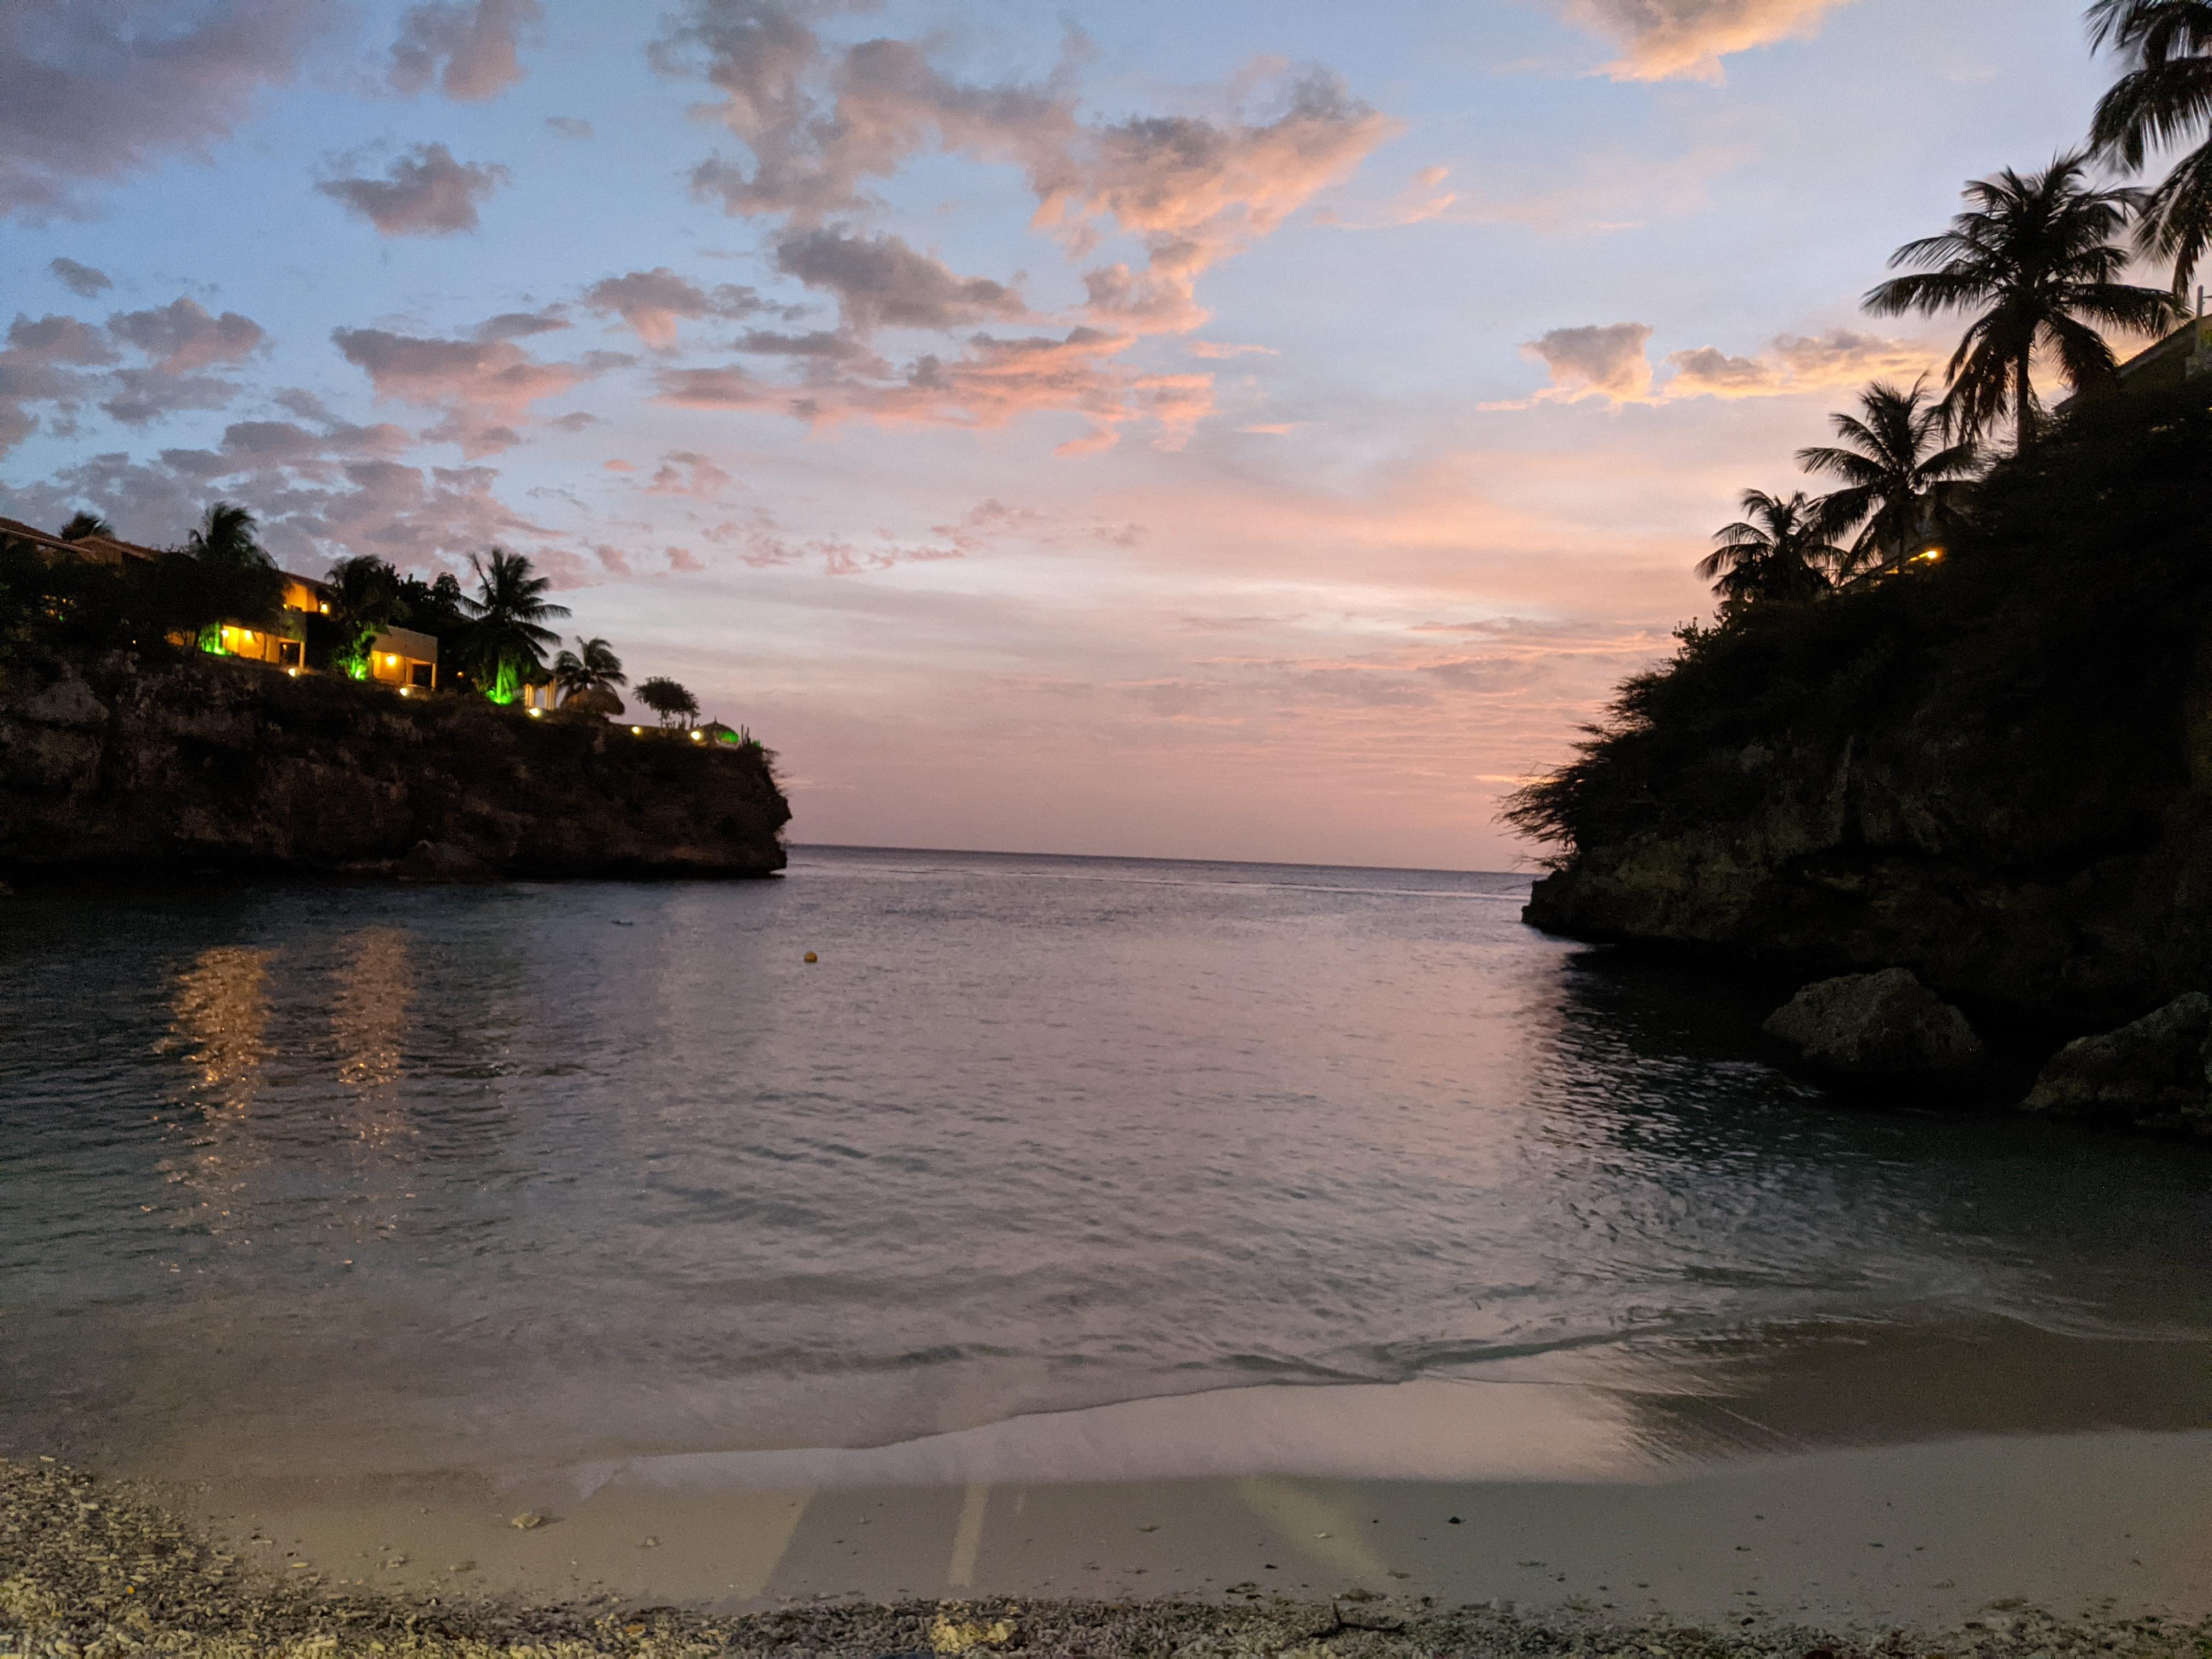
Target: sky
1256,429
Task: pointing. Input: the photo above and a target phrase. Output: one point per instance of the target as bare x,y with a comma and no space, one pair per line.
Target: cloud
880,281
1710,370
820,123
180,340
183,336
1608,360
468,50
1214,348
521,325
426,194
1669,39
686,472
653,301
321,490
82,281
1197,192
991,381
100,89
484,387
569,126
1798,363
42,363
1606,191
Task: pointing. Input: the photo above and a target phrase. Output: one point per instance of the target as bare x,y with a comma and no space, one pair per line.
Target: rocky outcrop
2154,1074
1887,1025
1889,853
207,763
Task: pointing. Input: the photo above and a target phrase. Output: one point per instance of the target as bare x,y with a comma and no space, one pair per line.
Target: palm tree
229,579
82,525
668,700
2036,256
2165,99
593,668
506,614
1778,552
1900,472
366,598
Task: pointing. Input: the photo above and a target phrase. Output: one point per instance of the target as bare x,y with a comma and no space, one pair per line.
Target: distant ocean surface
409,1178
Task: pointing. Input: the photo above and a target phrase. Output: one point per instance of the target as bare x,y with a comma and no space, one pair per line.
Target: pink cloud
426,193
484,387
1669,39
468,50
991,381
653,303
96,92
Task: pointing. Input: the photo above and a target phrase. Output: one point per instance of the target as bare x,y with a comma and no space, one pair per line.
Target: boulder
1879,1026
2153,1074
67,702
441,861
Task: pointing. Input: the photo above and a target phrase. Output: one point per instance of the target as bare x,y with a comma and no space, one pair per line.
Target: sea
903,1144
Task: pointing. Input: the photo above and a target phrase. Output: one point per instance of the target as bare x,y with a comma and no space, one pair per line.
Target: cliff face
1996,773
1883,856
209,763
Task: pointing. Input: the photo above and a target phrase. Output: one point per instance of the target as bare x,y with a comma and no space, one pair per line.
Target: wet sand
1928,1534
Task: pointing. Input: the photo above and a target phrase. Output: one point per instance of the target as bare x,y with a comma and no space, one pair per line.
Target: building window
288,652
420,673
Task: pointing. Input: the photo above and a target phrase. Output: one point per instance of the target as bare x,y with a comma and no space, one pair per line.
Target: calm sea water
411,1177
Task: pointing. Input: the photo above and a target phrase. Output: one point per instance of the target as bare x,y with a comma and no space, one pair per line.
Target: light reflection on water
423,1176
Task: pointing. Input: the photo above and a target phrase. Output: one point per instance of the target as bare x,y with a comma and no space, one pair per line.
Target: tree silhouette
2164,99
2038,260
1900,471
1777,553
668,700
506,633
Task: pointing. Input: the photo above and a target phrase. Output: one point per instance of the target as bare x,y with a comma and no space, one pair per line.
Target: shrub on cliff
2057,653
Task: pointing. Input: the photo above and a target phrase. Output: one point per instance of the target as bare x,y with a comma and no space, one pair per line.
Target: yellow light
404,690
389,662
327,610
247,634
698,736
637,731
536,714
294,672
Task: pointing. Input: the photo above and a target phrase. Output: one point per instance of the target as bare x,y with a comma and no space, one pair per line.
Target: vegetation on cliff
2056,655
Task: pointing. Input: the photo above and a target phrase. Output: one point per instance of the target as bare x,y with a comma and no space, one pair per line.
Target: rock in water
2153,1074
441,861
1879,1026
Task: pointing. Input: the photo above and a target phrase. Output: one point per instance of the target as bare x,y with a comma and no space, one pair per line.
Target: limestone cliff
1996,773
206,763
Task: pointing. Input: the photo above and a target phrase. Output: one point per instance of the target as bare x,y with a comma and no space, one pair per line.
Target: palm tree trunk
2023,397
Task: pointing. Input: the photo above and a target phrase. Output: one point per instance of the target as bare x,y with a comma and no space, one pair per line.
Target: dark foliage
2056,649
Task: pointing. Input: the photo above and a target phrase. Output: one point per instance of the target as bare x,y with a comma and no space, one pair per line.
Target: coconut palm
365,599
1778,552
82,525
1900,472
668,700
592,668
225,577
506,617
2037,259
2164,99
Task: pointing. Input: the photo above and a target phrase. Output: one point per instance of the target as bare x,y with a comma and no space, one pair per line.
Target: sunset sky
1246,428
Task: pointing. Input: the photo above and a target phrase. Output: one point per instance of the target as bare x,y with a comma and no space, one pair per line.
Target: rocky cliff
1996,773
209,763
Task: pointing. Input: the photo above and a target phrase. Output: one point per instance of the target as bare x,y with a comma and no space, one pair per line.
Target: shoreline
95,1565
